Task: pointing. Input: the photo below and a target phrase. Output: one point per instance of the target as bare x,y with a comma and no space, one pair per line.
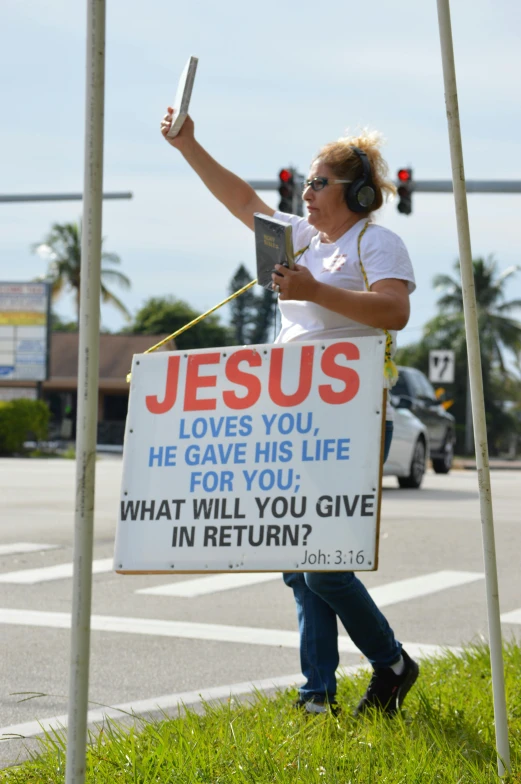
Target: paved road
209,635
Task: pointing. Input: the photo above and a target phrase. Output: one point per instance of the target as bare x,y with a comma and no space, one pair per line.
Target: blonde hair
346,164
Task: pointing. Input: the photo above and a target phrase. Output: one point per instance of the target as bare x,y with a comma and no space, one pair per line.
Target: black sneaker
386,690
314,705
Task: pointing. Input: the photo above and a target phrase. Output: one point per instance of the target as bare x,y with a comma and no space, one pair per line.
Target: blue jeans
320,598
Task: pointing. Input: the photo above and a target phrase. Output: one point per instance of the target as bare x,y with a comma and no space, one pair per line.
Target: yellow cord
390,369
195,321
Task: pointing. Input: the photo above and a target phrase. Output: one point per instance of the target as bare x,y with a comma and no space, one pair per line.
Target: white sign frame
442,364
303,491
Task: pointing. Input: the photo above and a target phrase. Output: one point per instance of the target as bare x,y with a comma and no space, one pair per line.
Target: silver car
409,449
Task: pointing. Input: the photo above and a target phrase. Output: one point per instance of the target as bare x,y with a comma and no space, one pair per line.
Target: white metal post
476,387
469,433
87,411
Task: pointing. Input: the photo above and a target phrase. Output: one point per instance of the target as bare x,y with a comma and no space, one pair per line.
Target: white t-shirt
383,255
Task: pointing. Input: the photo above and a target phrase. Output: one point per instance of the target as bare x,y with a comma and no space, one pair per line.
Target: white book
182,97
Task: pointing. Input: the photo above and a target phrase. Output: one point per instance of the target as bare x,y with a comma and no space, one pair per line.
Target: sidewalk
496,463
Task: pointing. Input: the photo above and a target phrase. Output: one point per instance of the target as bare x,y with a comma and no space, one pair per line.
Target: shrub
21,420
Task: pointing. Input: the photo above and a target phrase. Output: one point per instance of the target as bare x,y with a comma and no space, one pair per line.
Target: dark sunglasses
319,183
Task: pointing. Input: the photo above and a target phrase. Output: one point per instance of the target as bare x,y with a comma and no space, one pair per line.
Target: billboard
24,331
255,458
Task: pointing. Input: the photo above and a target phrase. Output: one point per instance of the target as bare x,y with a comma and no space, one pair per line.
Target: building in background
61,387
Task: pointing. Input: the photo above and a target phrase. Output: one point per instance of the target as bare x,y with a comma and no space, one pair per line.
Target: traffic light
286,190
405,189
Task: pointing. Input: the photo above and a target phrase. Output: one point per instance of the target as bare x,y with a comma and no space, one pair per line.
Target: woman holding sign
353,278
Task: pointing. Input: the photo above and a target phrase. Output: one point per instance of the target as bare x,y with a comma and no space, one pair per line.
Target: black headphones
361,194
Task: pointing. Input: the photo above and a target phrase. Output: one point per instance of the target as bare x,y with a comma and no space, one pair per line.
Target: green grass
445,734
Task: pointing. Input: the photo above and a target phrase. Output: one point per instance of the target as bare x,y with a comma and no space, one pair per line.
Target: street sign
24,327
283,478
441,366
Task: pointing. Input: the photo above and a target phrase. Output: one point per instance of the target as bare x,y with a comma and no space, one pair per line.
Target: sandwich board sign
441,366
256,458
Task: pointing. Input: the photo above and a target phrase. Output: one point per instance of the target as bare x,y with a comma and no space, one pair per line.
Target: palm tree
499,334
497,329
62,249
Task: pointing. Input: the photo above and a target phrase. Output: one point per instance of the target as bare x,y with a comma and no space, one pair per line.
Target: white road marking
511,617
213,584
24,547
424,585
399,591
246,635
163,703
56,572
383,595
176,701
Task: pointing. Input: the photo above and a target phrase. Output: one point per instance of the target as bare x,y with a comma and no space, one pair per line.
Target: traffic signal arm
471,186
406,184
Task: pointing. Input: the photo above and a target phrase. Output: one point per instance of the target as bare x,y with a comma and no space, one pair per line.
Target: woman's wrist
319,294
188,147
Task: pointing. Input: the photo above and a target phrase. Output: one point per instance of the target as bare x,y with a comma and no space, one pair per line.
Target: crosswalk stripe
24,547
383,595
202,586
401,590
247,635
424,585
48,573
511,617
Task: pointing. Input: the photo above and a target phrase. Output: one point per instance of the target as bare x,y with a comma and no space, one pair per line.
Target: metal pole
476,387
88,374
418,186
21,197
469,433
471,186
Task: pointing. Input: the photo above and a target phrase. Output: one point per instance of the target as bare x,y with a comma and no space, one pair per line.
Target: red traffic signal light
404,175
285,175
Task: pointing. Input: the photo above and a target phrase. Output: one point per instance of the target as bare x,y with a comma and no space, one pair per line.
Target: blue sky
275,82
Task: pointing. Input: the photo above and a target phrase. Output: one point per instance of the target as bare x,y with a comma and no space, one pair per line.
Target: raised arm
239,197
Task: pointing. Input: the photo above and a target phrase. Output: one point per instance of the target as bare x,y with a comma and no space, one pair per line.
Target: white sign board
441,366
263,458
24,317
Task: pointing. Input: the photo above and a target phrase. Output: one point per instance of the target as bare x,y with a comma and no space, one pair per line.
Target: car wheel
419,457
442,465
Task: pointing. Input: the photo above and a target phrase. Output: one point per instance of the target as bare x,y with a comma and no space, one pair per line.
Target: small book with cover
273,245
182,97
